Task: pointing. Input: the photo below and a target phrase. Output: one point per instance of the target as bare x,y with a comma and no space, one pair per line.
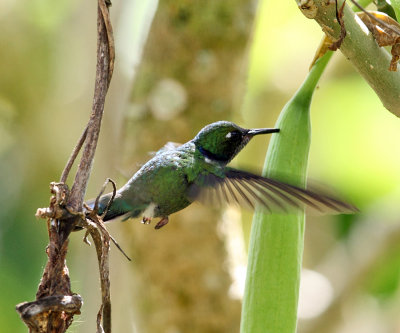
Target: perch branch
55,303
73,156
359,46
104,69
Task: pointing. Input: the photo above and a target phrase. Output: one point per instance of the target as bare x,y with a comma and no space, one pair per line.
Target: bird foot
161,223
146,220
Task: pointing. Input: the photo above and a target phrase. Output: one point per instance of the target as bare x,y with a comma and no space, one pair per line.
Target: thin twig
111,199
86,241
119,247
104,5
101,239
73,156
376,19
96,203
339,17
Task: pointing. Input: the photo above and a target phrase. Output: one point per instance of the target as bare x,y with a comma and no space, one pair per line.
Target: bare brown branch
35,314
73,156
55,303
101,239
104,69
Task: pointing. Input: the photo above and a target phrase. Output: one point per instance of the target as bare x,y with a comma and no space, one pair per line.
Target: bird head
222,141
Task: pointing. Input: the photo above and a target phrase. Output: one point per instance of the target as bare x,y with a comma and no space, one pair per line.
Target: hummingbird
197,171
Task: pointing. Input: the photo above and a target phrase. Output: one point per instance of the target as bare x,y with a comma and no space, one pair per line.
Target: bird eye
233,134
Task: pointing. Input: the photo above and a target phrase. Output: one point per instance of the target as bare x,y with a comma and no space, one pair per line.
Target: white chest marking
210,161
150,210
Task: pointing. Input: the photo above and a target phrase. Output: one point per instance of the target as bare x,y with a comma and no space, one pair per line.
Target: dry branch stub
55,304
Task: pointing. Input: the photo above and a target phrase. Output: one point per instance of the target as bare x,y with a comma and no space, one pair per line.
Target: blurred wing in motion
248,190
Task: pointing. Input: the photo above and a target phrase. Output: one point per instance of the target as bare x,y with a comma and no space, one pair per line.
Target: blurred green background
239,61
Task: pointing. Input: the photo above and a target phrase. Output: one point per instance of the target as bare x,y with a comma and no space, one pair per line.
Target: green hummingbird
197,171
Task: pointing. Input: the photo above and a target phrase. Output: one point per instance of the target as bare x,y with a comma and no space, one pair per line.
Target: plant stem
359,46
276,240
396,7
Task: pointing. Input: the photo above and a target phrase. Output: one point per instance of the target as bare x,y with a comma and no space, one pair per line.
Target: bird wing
248,190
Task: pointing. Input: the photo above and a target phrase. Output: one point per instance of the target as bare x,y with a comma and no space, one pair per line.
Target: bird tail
115,210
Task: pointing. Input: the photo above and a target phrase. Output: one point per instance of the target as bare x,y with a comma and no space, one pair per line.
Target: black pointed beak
257,131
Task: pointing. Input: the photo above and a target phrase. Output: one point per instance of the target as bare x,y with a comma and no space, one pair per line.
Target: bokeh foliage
46,82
